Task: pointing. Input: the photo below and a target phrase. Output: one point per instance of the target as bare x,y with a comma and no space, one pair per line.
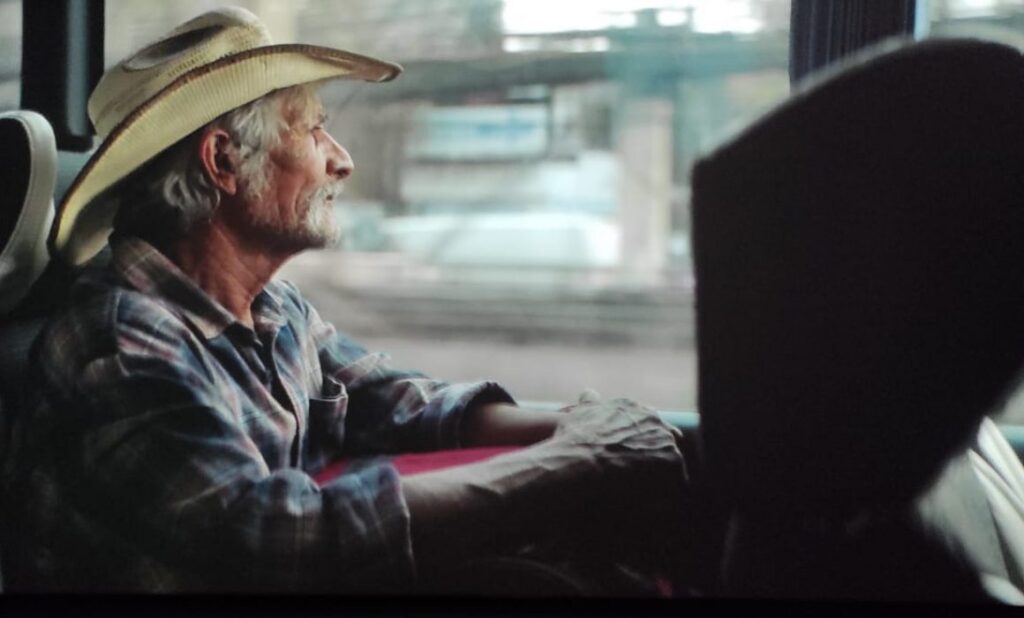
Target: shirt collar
148,270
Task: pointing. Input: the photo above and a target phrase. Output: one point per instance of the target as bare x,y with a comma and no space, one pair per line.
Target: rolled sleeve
443,415
392,411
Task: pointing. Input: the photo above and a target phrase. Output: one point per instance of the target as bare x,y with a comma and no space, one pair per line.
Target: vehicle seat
859,254
28,165
28,162
37,176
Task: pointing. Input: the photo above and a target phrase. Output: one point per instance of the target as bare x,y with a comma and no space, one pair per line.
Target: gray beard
316,230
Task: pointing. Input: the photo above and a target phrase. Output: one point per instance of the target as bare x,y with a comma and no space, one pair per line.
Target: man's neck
230,270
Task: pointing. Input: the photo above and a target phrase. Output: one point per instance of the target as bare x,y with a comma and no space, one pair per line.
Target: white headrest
24,256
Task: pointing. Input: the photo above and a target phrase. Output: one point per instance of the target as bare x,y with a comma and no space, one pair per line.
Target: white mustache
327,192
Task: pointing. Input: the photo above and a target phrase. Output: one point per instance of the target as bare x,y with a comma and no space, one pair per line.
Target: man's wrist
504,424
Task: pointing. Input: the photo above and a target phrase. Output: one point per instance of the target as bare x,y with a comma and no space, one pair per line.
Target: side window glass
10,54
520,203
948,16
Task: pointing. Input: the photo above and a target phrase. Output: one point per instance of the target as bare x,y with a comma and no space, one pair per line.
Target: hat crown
198,42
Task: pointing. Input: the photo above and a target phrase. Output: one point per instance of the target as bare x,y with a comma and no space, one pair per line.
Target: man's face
293,209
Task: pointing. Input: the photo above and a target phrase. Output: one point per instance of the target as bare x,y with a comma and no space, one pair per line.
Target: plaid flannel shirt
172,447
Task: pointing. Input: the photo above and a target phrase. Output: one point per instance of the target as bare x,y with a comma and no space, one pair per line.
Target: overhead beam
664,62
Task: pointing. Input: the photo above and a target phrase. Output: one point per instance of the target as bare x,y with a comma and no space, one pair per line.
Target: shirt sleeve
391,410
162,454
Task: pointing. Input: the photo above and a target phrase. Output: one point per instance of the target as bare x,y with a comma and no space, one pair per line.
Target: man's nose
339,162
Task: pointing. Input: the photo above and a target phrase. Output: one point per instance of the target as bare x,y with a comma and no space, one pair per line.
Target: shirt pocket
327,411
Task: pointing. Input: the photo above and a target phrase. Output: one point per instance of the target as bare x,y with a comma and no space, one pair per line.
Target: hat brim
82,225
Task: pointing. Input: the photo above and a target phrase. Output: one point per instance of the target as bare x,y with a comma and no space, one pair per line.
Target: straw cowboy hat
202,69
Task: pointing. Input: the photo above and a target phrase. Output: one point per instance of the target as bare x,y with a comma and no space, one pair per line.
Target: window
520,205
951,16
10,54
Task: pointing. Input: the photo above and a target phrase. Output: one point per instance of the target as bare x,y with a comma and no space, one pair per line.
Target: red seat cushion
408,464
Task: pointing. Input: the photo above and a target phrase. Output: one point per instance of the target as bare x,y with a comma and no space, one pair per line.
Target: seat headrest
859,254
28,165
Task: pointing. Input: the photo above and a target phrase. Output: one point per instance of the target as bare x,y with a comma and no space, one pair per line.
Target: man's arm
503,424
394,411
601,457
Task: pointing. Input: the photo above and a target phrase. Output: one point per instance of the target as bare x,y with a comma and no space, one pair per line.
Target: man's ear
219,159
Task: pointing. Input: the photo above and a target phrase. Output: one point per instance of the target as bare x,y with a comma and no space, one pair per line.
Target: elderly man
185,397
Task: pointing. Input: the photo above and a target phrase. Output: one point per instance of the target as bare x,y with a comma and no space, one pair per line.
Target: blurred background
520,205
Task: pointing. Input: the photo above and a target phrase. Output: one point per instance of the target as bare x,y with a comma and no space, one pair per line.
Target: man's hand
504,424
617,425
632,450
629,503
609,480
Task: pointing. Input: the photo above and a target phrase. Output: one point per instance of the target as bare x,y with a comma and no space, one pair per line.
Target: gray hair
161,201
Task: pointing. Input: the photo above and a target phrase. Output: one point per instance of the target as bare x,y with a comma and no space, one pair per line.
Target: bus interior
694,203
